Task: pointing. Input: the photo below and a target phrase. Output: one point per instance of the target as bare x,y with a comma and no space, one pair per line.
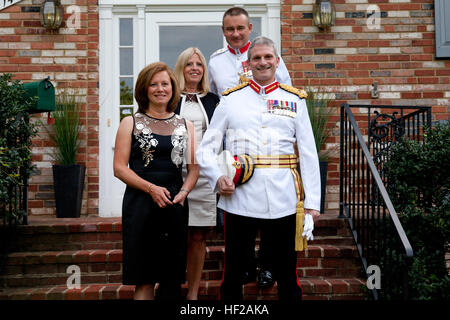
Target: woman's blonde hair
143,82
181,64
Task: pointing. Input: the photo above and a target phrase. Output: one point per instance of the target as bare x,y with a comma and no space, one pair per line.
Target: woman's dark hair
143,82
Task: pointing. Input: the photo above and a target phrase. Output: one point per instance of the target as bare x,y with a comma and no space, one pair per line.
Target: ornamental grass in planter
68,177
320,110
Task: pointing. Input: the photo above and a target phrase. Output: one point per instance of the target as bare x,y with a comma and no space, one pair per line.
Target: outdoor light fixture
323,14
51,14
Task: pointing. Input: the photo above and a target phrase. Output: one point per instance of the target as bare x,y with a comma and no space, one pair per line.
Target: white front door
135,35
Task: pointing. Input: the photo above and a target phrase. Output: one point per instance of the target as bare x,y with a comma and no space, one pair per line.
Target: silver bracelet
182,189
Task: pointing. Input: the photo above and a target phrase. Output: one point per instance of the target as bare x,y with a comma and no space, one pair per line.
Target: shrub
15,144
419,187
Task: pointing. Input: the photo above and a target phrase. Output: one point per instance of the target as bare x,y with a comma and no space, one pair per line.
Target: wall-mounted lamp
51,14
324,14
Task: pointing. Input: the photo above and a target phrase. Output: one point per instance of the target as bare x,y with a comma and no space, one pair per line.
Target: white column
140,40
105,103
274,24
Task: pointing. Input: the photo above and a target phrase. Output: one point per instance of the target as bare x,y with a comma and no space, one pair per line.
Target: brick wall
346,60
349,57
70,57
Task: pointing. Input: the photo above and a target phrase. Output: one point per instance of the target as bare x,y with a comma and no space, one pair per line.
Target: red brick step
328,269
53,234
26,269
313,289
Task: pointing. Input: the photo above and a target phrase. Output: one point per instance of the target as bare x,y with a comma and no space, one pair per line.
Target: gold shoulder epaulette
238,87
300,93
222,50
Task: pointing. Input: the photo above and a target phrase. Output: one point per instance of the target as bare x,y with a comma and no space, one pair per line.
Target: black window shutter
442,28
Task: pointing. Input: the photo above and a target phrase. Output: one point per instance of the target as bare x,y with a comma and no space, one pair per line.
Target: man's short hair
235,11
261,41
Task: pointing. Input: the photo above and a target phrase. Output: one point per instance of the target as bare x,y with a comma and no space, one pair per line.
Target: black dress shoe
248,277
265,279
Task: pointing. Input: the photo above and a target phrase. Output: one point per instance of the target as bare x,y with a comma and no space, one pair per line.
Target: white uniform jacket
243,116
226,64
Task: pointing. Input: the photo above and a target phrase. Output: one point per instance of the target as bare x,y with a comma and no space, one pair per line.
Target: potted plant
320,110
68,176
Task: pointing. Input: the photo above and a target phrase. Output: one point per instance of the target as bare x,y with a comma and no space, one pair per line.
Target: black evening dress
154,238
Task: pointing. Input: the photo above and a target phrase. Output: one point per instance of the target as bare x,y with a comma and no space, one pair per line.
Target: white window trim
227,3
442,29
254,7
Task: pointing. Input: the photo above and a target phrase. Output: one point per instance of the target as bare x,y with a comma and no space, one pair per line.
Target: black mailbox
45,93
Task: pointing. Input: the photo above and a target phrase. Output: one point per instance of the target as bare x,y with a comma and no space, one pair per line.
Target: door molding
109,11
269,8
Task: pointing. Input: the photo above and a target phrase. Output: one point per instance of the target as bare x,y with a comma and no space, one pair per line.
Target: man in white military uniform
228,66
264,119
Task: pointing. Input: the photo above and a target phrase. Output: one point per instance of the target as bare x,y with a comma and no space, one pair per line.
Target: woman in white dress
197,104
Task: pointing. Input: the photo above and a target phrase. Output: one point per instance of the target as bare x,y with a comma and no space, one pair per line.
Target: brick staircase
328,269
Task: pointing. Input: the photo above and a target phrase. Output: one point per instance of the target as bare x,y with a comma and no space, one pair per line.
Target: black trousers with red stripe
240,234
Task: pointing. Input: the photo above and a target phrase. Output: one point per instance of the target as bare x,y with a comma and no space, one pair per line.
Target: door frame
109,13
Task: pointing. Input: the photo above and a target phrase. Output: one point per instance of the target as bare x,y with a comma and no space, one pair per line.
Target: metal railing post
363,198
341,165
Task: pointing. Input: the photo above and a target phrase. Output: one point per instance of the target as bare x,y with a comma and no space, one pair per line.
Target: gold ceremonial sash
279,161
288,161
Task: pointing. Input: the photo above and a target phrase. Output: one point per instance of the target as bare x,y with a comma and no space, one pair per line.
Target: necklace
191,97
160,116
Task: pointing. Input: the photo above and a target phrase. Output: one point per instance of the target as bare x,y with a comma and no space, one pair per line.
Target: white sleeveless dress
202,200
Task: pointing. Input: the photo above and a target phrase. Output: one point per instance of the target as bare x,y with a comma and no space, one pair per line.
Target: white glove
308,227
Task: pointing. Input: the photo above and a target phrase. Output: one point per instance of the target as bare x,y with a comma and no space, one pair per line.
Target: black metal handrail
364,200
18,203
13,211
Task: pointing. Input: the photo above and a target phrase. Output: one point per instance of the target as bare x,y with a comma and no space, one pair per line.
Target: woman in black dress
150,149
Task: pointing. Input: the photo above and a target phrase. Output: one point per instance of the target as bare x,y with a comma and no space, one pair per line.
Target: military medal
245,67
246,74
282,108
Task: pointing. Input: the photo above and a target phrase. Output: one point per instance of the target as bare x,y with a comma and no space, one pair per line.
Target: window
173,38
126,60
442,28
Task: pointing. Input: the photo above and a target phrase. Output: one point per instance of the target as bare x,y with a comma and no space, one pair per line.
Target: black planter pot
323,181
68,181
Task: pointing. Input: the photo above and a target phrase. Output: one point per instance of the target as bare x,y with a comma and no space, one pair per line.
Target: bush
419,186
15,145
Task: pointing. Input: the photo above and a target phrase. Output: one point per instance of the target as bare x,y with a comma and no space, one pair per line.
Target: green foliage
319,108
419,187
66,130
126,94
16,132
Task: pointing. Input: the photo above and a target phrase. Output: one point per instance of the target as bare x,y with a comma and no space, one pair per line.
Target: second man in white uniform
228,66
